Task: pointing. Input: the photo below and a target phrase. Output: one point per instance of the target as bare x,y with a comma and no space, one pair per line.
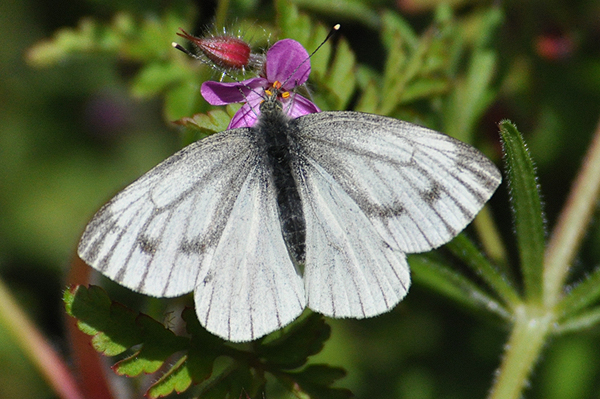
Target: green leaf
471,97
454,285
300,340
159,344
229,380
210,122
88,36
181,100
292,23
130,37
316,381
465,249
177,379
154,77
112,325
527,208
369,98
341,77
204,347
582,295
394,77
582,321
424,88
344,10
394,25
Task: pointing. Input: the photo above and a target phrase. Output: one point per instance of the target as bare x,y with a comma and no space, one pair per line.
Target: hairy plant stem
533,321
571,226
531,327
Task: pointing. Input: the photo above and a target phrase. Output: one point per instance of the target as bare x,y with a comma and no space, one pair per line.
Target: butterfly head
274,96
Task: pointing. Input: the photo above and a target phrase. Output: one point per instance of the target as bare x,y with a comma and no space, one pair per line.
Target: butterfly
317,211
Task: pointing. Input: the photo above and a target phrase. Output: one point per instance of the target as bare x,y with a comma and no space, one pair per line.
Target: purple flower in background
287,66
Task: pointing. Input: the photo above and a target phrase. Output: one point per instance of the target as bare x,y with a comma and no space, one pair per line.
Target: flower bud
225,51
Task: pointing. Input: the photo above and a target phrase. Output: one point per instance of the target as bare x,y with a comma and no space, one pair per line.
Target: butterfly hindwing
253,287
350,270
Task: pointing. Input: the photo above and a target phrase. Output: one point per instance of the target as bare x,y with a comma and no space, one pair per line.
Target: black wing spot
432,195
195,246
148,245
393,210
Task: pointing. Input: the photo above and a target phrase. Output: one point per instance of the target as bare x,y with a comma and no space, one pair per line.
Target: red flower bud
224,51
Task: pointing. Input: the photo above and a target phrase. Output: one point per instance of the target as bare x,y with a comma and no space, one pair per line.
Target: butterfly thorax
280,154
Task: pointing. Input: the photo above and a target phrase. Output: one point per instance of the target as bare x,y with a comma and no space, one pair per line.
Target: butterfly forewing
155,235
419,188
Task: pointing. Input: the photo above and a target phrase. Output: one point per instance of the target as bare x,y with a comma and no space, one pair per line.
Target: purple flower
287,66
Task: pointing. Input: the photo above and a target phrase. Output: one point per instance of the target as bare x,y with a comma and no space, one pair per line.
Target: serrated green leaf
129,37
194,328
68,298
229,380
204,347
177,379
112,325
319,61
213,121
316,381
393,25
424,88
88,36
369,98
527,208
291,23
341,76
159,343
321,374
394,77
454,285
300,340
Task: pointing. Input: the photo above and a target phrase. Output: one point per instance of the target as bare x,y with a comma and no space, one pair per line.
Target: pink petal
299,106
245,117
217,93
288,63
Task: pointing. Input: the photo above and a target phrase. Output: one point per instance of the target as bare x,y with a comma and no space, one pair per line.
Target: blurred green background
72,134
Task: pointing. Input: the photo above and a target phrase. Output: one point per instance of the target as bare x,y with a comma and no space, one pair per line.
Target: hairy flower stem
533,322
531,327
571,226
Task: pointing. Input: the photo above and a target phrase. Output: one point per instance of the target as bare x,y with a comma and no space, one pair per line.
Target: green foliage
116,330
446,76
527,209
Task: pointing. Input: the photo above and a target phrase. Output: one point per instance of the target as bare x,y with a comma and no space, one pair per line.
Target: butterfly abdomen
273,128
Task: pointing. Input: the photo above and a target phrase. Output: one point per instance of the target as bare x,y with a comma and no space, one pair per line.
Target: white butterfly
317,211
